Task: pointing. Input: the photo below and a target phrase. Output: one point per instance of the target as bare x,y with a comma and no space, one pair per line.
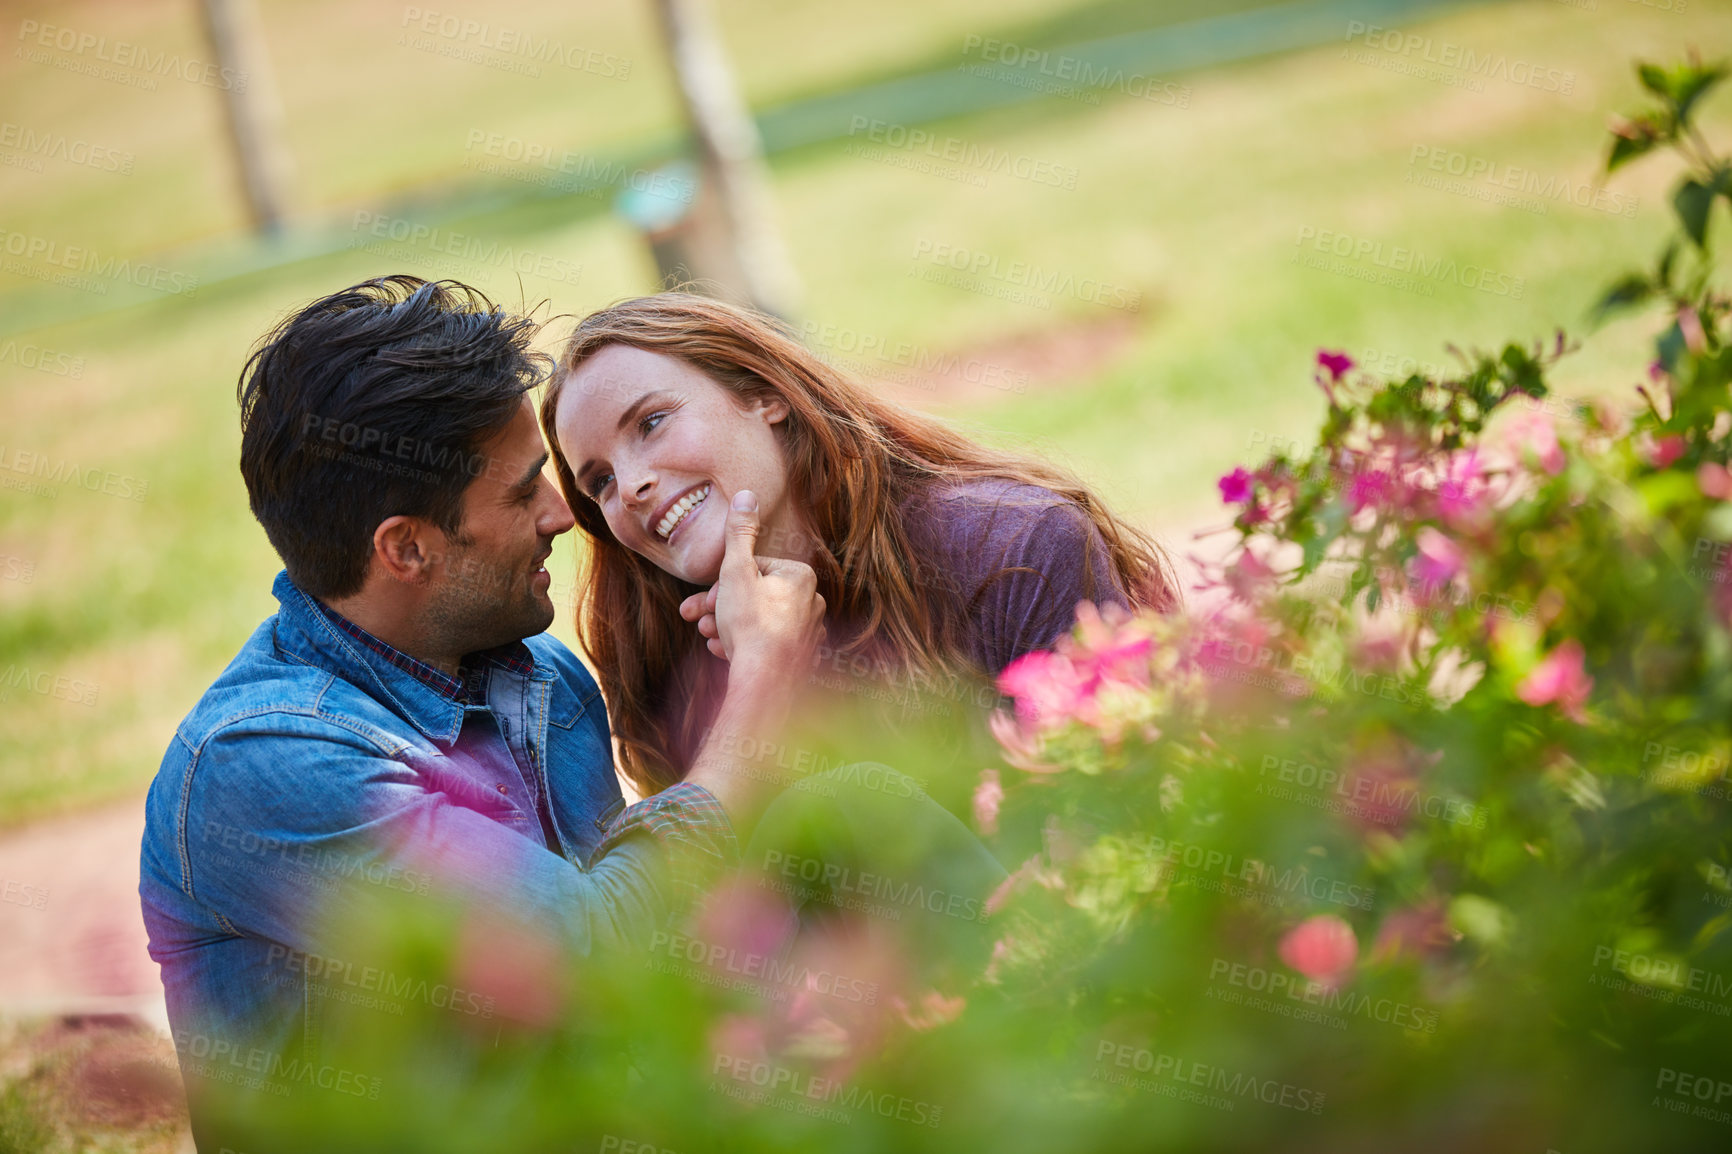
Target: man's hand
764,617
762,611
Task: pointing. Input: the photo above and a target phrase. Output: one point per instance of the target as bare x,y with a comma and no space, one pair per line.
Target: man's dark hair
371,403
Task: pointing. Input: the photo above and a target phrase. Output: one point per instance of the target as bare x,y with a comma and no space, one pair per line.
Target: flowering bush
1460,693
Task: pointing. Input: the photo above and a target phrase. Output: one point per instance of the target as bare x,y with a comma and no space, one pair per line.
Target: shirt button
500,787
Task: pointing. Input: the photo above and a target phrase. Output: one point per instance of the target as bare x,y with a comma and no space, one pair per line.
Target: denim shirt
311,784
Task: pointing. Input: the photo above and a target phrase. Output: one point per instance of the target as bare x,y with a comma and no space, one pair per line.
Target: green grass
1197,208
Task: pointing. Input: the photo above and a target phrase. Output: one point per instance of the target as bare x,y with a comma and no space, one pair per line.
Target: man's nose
556,518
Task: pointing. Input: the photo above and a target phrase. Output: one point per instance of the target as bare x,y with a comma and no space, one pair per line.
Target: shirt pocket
567,704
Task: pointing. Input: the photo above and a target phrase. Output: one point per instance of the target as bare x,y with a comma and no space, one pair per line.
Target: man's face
492,587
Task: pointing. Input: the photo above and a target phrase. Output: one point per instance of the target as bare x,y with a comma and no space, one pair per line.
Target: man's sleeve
282,838
693,831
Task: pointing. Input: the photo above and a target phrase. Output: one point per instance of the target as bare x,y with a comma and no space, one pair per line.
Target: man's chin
522,619
541,614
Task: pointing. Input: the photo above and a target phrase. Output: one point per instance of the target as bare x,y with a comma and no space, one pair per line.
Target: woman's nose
637,488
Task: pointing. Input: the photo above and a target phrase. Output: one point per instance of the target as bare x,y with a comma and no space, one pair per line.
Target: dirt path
71,936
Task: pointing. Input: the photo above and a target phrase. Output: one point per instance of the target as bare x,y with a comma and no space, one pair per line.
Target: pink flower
1322,948
1372,487
1055,689
1337,364
1034,871
1690,328
1048,688
1662,451
935,1010
1381,784
1379,646
746,918
1414,932
519,971
1236,487
987,796
1463,496
740,1037
1714,481
1021,748
1533,433
1249,577
1108,647
1559,678
1439,560
1003,950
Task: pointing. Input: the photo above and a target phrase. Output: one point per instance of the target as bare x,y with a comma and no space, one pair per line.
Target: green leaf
1626,149
1655,80
1693,200
1481,920
1629,291
1638,135
1670,348
1693,83
1668,261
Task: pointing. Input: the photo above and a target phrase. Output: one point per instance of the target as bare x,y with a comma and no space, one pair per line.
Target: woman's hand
762,612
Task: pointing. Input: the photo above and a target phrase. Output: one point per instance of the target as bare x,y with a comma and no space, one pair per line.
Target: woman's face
662,449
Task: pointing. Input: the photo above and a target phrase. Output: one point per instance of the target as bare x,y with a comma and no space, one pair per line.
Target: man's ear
404,547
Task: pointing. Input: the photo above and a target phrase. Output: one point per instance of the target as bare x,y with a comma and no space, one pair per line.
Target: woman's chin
693,571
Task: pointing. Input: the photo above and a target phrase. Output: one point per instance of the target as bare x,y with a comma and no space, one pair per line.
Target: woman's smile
680,511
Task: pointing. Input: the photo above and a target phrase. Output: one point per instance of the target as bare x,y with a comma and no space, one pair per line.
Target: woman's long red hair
853,461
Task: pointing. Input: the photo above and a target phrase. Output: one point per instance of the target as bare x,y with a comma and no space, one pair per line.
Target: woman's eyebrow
625,419
633,409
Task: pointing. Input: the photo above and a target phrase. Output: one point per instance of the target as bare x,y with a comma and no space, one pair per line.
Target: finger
707,626
710,600
693,607
716,648
742,537
783,566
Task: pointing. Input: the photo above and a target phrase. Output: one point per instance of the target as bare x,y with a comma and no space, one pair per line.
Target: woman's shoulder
1020,556
976,515
985,498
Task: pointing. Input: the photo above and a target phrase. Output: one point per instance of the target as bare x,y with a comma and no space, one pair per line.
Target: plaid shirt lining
693,829
468,689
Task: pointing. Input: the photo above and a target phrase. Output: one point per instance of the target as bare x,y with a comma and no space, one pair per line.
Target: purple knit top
1022,557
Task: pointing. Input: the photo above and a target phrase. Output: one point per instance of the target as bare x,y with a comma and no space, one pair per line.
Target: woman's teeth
678,513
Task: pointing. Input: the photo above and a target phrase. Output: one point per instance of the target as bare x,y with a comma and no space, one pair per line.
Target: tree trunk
254,113
731,157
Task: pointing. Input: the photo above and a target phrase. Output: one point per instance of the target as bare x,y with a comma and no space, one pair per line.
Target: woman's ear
775,410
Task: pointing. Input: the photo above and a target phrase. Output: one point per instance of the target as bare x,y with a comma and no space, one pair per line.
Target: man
403,725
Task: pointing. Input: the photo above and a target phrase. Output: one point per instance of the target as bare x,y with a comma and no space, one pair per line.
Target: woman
935,554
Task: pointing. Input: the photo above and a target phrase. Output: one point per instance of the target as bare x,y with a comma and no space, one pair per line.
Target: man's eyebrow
534,472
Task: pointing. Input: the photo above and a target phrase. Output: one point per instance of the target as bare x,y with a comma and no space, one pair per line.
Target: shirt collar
430,698
468,687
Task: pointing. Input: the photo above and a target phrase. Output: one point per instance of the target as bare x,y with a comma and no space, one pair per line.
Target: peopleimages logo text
123,54
1400,259
1448,54
54,254
1023,274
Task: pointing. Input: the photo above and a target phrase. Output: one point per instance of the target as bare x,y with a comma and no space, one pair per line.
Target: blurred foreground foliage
1412,834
